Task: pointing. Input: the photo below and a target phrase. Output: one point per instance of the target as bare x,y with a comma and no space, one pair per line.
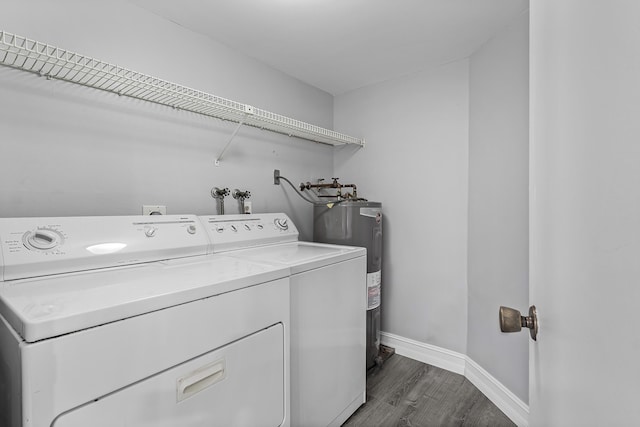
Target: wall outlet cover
154,210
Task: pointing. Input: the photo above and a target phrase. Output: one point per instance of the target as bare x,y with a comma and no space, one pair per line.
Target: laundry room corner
416,163
498,272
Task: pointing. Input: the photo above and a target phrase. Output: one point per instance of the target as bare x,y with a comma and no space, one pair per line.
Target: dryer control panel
31,247
229,232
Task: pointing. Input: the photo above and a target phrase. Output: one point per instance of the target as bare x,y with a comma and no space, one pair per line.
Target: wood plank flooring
407,393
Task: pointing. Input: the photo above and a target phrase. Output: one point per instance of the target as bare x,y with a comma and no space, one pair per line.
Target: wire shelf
53,62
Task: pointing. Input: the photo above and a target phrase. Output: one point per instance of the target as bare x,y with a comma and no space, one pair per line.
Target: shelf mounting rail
53,62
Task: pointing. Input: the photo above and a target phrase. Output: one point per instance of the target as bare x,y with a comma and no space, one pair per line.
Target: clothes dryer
328,297
126,321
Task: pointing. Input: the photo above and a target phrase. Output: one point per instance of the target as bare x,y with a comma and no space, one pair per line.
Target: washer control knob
191,229
247,227
150,231
281,223
43,239
260,226
233,227
219,228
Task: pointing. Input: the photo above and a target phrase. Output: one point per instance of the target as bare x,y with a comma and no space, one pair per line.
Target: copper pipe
335,184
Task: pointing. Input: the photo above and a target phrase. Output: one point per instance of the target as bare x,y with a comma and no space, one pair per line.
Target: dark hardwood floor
404,392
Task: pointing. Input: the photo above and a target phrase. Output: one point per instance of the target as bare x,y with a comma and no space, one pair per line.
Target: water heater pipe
335,184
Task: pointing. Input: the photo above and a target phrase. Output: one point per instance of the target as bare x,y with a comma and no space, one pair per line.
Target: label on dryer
373,289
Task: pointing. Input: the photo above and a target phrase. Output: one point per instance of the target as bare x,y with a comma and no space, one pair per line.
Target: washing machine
328,294
126,321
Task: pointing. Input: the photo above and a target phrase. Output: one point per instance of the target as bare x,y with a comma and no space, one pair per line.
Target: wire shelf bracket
56,63
249,110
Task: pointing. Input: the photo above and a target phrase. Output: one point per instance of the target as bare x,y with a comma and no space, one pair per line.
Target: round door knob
512,321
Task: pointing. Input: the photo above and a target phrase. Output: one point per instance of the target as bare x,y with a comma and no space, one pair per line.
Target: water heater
357,223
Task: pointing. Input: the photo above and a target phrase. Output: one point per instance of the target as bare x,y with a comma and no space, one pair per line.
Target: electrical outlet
154,210
276,177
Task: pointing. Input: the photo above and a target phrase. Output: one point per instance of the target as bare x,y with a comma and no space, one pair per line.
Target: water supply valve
219,194
245,207
241,195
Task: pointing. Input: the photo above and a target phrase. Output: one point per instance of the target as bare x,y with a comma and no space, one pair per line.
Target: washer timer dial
42,239
281,224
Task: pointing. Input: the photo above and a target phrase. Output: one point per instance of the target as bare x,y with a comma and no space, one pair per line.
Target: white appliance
328,311
126,321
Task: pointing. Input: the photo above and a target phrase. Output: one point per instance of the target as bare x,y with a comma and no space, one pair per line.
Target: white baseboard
425,353
502,397
459,363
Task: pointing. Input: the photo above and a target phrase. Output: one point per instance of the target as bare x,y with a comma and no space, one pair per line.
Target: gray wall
69,150
498,203
415,163
447,149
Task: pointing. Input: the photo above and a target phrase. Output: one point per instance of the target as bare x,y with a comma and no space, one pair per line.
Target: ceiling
342,45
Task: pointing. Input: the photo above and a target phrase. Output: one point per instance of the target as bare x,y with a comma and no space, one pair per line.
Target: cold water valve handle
241,196
237,194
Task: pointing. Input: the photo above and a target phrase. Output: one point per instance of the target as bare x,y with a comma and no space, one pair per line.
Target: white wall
69,150
415,163
498,203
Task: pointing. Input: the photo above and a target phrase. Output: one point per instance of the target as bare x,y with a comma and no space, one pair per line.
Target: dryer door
240,384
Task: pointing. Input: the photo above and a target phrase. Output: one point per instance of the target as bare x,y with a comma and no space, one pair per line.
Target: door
585,212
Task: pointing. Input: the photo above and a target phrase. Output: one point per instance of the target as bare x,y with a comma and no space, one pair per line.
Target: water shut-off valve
241,196
219,194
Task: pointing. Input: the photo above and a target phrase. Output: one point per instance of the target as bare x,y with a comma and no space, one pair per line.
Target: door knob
512,321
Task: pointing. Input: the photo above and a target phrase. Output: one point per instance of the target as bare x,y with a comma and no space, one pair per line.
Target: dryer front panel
74,371
241,384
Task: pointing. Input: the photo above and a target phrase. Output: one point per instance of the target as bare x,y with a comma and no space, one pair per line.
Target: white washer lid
300,256
45,307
